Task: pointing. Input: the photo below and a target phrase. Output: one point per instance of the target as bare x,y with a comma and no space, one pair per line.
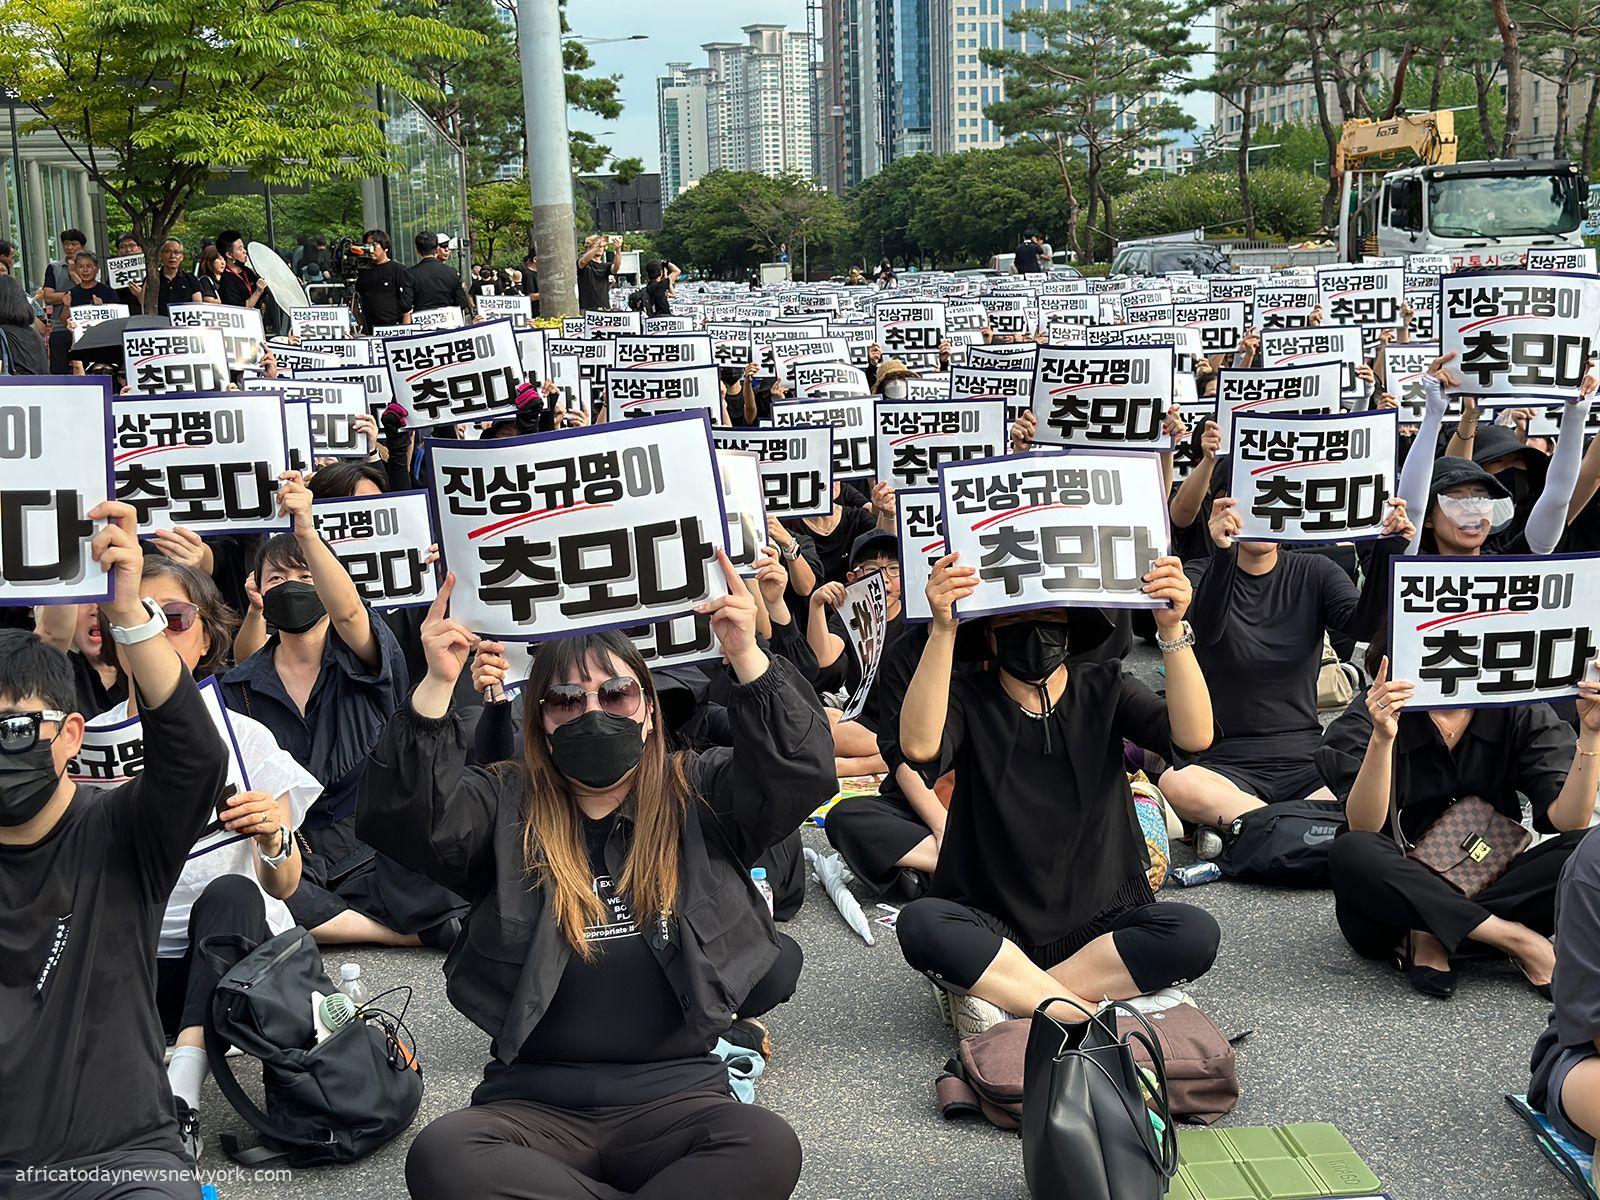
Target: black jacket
435,284
462,827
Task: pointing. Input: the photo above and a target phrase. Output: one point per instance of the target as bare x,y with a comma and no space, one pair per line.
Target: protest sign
859,336
531,345
1561,258
1306,388
351,352
1546,418
125,271
673,324
453,375
113,754
1148,314
851,420
662,350
919,528
383,542
174,360
1519,331
744,506
335,407
1477,632
1186,452
1424,314
516,309
649,391
1010,356
915,437
1010,314
1318,343
1284,307
572,327
578,368
1313,478
86,316
787,351
1185,343
374,383
826,378
796,466
910,331
730,343
602,324
297,435
210,463
865,614
294,359
320,322
244,337
1056,528
1015,387
55,465
1360,295
581,529
449,316
1404,365
1110,396
1077,308
1428,264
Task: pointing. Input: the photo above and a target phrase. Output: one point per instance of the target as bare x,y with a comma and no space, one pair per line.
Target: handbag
1285,844
1086,1131
1470,846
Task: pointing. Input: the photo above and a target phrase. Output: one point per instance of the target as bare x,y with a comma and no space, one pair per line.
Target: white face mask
1469,513
896,389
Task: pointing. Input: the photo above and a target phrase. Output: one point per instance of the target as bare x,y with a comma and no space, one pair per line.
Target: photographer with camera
382,290
595,270
434,282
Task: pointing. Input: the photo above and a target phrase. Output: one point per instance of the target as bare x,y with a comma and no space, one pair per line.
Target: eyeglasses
618,697
180,615
19,732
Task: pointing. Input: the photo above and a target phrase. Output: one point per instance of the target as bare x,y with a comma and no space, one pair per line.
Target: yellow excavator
1480,213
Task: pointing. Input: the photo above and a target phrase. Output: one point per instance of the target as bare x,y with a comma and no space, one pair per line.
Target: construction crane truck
1482,214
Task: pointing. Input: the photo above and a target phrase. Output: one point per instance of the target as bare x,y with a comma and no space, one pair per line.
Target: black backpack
638,299
326,1102
1283,844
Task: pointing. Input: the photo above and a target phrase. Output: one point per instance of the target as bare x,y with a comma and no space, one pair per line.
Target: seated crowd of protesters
583,855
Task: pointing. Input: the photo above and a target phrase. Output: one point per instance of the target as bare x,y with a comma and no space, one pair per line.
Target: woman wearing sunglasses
242,869
613,927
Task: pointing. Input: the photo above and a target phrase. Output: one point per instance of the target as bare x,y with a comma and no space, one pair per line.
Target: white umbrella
830,872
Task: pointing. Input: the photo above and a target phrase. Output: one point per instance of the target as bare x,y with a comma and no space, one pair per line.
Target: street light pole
544,105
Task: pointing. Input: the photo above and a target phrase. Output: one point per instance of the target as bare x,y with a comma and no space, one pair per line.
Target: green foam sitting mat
1279,1162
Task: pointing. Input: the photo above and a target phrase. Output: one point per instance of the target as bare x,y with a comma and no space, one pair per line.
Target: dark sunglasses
19,732
180,614
618,697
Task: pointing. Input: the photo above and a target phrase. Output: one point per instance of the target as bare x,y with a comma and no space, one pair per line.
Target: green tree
881,210
1562,37
478,97
152,107
793,212
1085,80
706,226
501,214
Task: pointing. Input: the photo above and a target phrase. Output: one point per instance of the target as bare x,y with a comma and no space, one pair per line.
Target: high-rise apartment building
683,106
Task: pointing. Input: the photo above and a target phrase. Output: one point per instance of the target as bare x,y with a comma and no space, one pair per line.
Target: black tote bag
1086,1132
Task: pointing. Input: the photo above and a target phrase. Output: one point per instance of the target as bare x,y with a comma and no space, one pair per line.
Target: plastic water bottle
350,983
758,875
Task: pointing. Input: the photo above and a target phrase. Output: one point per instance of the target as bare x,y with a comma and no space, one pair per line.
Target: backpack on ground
985,1077
1283,844
331,1101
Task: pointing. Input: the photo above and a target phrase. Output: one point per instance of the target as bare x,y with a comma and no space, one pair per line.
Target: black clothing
594,284
184,983
180,289
833,547
94,697
1027,258
530,289
383,295
1041,831
1379,894
435,284
1575,1019
80,911
1160,944
210,288
23,351
95,293
1504,751
658,301
462,827
689,1147
237,284
1279,767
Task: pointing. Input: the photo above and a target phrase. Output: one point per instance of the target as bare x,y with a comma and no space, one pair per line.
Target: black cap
871,542
1449,472
1496,441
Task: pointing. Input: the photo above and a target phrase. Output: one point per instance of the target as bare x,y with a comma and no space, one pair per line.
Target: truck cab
1482,214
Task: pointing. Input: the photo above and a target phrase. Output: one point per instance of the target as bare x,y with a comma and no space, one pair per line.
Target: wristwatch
791,551
132,635
285,849
1182,642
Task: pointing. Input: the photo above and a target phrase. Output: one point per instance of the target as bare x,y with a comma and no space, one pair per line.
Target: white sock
186,1072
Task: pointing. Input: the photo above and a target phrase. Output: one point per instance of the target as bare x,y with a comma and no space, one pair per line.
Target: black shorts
1273,769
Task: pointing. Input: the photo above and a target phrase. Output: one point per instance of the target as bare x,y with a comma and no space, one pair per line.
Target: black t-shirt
94,697
80,911
385,293
1575,988
614,1031
1027,260
96,293
1042,832
530,286
594,285
180,289
833,547
237,285
23,352
210,289
660,303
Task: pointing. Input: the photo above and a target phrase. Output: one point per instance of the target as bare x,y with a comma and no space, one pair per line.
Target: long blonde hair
552,834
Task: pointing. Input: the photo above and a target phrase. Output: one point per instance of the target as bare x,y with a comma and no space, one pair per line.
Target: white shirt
271,770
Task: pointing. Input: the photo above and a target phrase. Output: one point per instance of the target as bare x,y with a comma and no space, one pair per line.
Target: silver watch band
1182,642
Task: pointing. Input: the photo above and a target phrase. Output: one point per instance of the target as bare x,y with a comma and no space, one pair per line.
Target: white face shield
1469,513
896,389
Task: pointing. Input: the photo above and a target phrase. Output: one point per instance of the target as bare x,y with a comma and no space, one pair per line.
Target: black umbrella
103,343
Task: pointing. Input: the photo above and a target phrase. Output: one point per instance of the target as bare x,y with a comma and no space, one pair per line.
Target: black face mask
292,607
27,781
1031,650
597,749
1515,480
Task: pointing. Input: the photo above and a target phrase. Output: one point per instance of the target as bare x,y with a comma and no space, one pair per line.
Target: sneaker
1160,1001
441,936
1207,844
188,1129
941,1001
972,1016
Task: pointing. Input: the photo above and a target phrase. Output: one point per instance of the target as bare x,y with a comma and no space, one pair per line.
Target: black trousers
691,1147
343,872
1379,894
230,904
872,834
1160,944
780,981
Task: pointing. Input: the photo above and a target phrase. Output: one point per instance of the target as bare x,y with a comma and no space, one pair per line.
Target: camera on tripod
350,259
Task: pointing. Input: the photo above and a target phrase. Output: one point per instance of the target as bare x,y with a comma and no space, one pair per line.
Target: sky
674,32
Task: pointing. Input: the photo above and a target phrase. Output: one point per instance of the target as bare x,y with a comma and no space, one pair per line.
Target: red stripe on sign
1017,512
1271,467
932,546
1491,320
525,518
1437,621
128,455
